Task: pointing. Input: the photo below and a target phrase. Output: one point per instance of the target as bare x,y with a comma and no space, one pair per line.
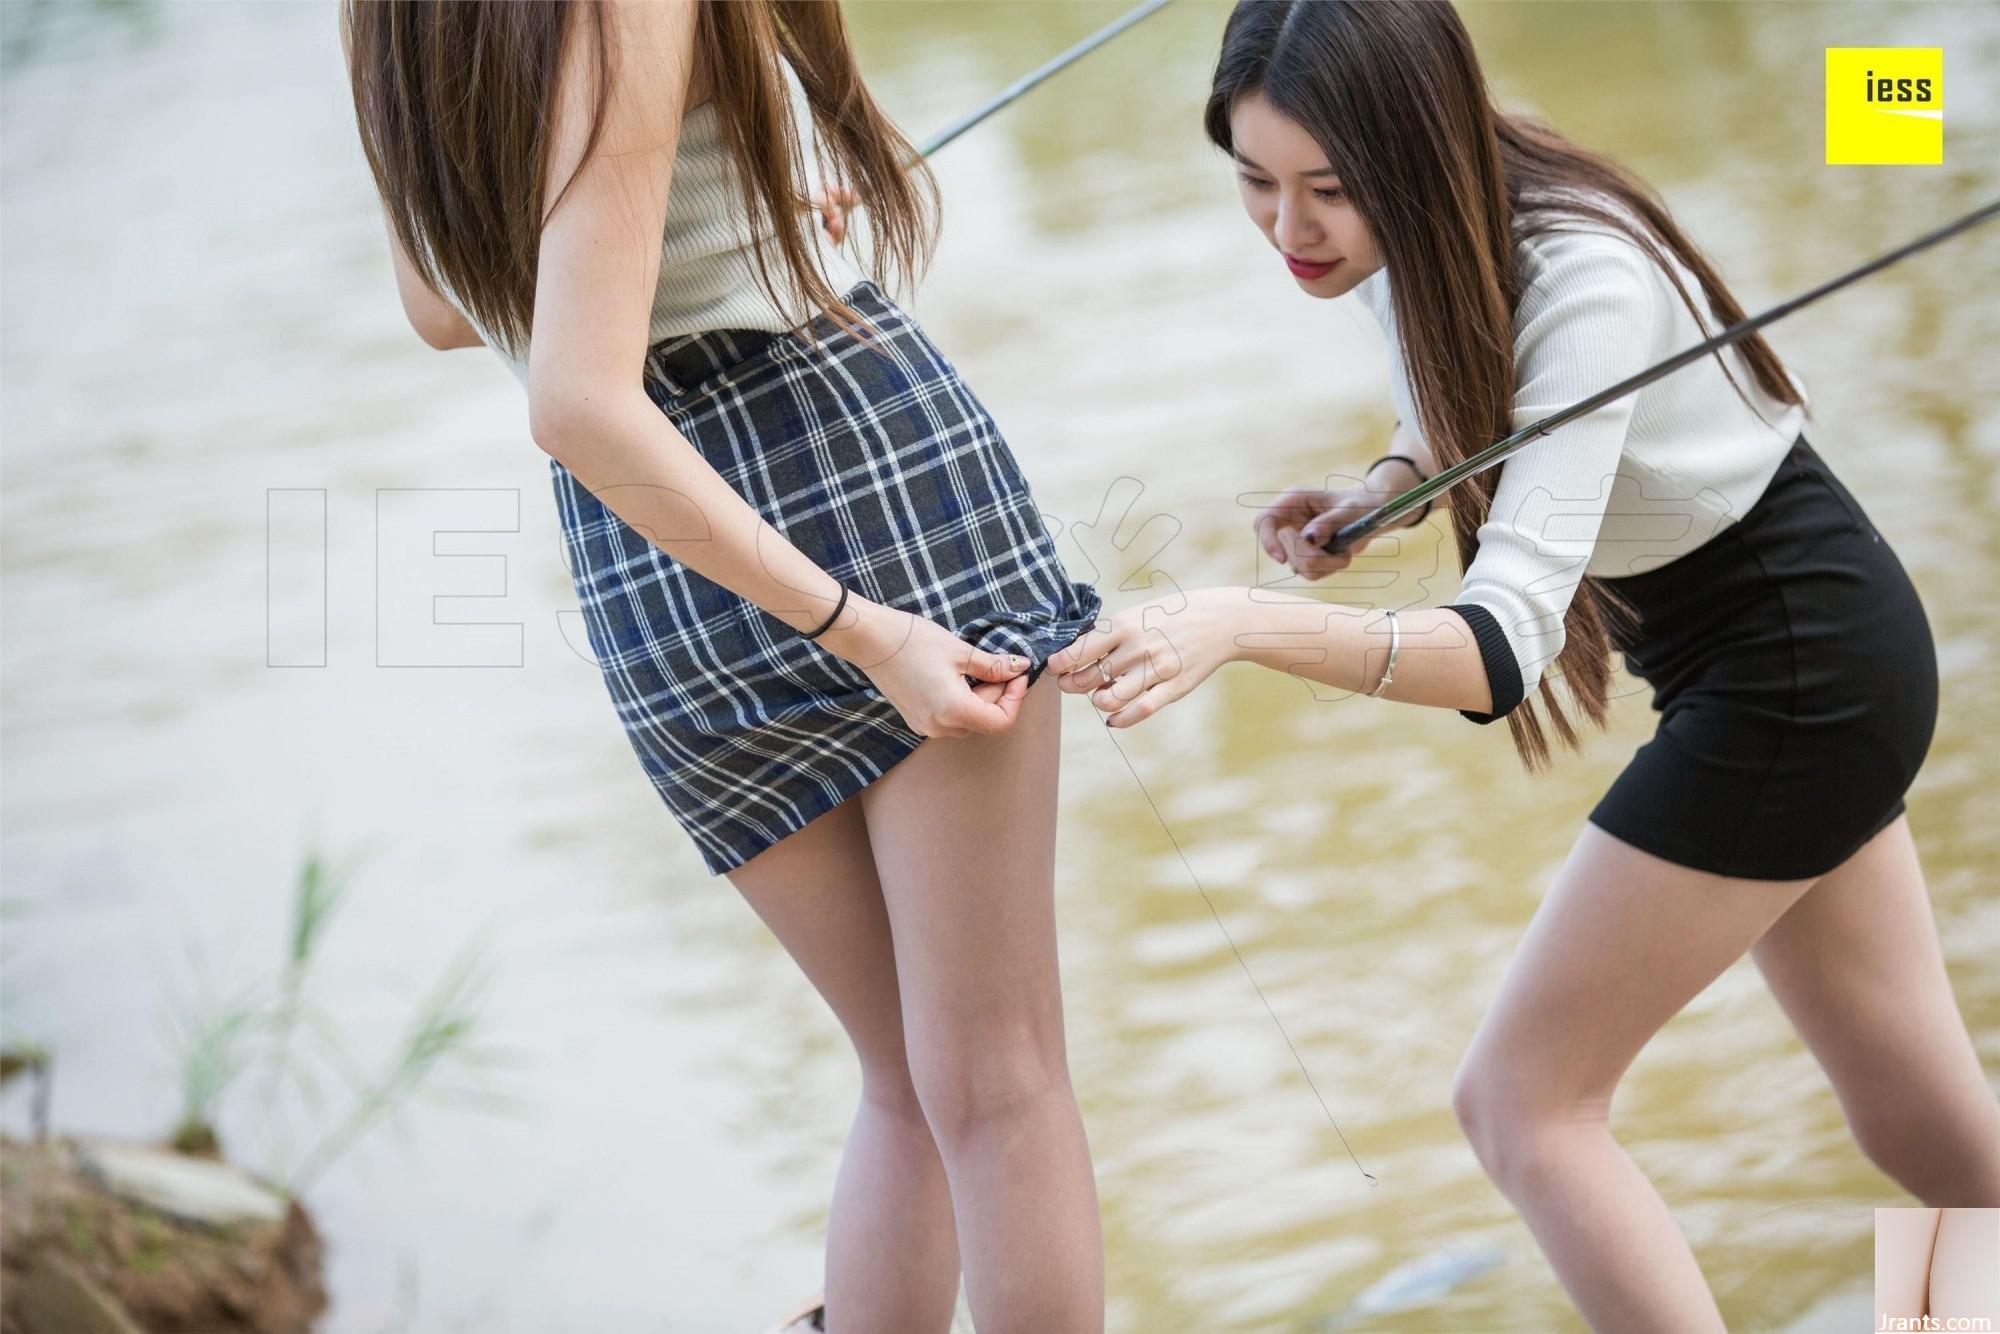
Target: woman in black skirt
795,534
1690,526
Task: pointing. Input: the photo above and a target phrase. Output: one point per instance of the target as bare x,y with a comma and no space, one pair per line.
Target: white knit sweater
708,278
1624,489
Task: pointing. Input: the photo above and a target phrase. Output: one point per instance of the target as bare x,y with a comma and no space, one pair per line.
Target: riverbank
105,1237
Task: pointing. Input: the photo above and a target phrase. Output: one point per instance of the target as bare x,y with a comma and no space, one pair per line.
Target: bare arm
1437,660
1158,652
1390,478
1403,440
1483,654
587,402
600,262
435,319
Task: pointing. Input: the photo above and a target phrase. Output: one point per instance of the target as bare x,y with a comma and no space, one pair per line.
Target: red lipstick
1307,269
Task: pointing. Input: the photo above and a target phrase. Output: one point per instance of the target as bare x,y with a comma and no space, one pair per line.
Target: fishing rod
1032,79
1460,1264
1039,75
1428,490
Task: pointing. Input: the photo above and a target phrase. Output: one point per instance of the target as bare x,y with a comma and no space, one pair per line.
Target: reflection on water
200,309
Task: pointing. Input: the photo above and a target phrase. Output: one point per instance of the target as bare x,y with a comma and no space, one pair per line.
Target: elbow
437,321
1505,685
562,417
441,334
438,340
552,422
576,404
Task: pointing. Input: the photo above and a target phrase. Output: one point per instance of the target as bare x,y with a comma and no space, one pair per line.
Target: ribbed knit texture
708,277
1626,488
1503,677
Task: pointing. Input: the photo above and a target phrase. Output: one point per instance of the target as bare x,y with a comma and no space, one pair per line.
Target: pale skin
1943,1263
587,404
1158,652
1623,940
922,908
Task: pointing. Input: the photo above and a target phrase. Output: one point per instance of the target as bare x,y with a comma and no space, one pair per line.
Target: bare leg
1903,1242
1859,971
891,1249
1622,942
964,838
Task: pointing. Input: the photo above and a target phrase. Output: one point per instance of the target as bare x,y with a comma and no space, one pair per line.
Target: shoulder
648,64
1590,294
658,24
1587,259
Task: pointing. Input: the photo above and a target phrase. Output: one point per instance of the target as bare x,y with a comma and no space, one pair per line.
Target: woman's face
1293,196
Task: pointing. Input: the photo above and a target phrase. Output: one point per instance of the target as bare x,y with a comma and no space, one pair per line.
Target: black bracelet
827,624
1426,512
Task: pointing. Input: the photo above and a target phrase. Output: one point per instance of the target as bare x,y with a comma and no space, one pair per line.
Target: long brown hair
456,104
1448,186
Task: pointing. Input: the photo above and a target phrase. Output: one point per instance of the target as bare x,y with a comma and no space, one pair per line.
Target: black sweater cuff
1503,674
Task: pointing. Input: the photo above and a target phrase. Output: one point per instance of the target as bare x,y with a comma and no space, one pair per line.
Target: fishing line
1418,495
1444,481
1179,852
1242,963
932,145
937,141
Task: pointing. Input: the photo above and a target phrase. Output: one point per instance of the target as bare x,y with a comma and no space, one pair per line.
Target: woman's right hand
921,668
1292,527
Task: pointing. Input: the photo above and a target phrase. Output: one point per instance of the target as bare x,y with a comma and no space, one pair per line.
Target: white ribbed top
1631,486
708,278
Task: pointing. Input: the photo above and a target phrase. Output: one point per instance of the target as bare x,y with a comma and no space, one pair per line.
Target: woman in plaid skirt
802,549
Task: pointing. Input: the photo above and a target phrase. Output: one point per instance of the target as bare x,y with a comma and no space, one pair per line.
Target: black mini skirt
1794,669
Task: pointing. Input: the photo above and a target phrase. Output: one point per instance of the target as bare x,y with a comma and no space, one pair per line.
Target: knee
1928,1151
972,1091
1486,1115
888,1091
1517,1126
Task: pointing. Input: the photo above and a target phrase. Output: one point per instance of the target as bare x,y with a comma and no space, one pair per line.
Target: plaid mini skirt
879,464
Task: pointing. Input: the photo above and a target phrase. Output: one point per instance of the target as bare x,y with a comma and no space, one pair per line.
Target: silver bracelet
1395,641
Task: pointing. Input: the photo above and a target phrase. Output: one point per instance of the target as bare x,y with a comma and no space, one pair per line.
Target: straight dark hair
1449,185
456,104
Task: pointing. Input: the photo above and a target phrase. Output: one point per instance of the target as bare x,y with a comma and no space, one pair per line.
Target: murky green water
199,310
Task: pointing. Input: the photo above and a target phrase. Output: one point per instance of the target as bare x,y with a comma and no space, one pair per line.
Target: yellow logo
1884,105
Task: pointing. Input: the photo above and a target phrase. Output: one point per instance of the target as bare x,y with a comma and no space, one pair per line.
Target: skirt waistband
1805,524
1800,464
682,363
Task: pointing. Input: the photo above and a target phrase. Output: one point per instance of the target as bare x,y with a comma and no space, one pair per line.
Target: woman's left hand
1146,657
832,204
